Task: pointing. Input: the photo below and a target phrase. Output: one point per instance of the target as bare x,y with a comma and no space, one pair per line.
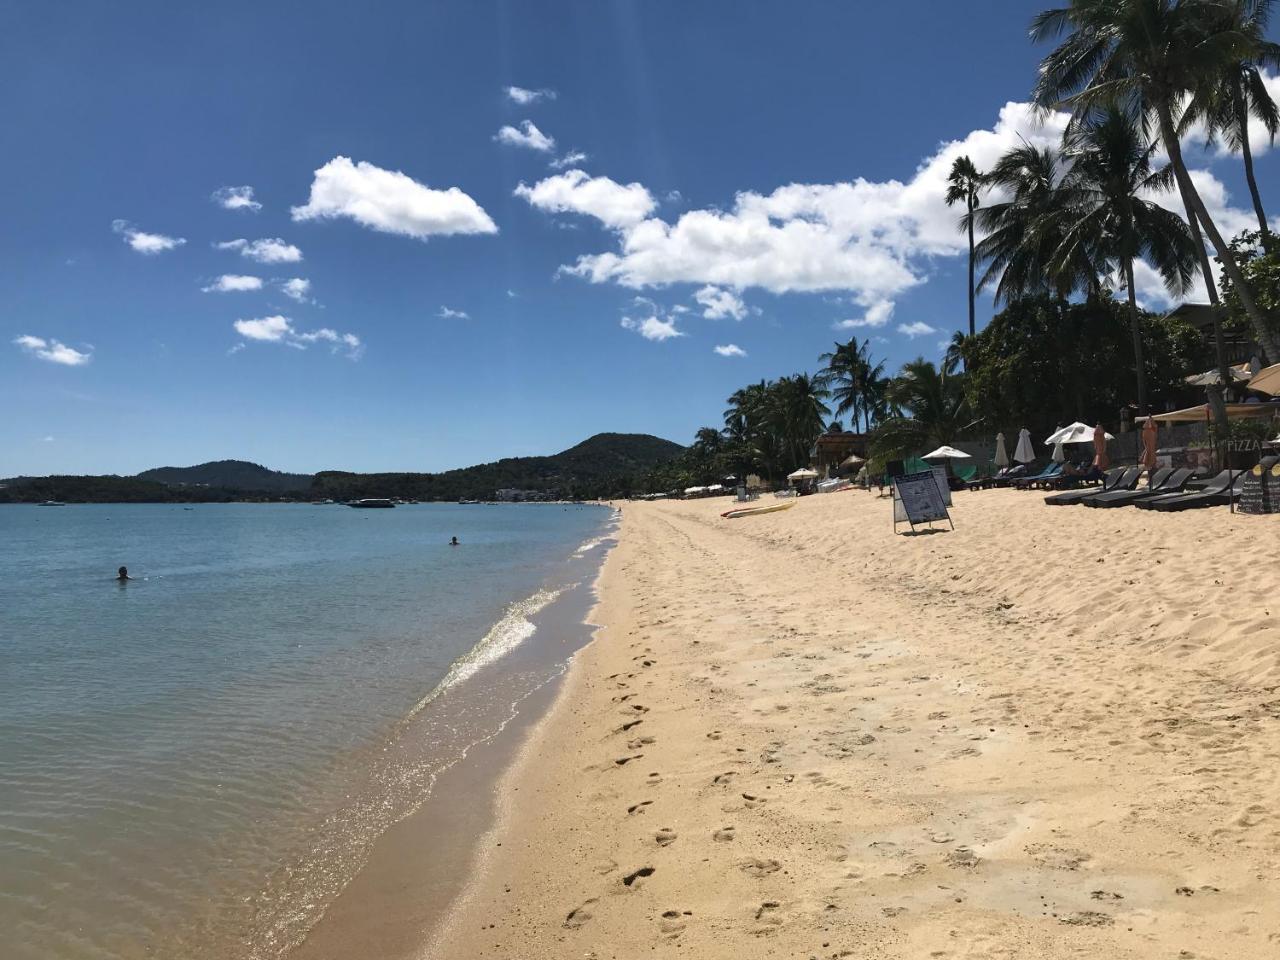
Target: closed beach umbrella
1002,455
1100,459
1149,445
1059,454
1023,452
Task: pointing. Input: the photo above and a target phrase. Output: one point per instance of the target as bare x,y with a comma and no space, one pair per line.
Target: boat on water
373,503
762,508
51,503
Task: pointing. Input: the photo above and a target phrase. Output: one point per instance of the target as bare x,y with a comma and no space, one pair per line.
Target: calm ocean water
194,763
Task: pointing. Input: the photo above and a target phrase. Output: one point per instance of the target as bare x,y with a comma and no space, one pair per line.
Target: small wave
511,630
589,546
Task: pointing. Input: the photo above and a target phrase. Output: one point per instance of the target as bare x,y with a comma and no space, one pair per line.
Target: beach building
1240,345
833,447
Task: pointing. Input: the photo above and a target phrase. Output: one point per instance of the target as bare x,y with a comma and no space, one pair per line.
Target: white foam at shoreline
512,629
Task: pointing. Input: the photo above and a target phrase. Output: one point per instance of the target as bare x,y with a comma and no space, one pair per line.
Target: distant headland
605,465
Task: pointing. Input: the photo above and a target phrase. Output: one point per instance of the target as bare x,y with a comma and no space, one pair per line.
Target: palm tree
1025,231
935,399
797,414
1111,222
964,183
1146,56
1229,100
852,379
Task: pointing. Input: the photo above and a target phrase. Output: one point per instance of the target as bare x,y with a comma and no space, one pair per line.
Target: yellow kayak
753,511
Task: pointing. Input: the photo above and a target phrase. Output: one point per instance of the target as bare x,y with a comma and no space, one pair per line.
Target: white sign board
940,474
918,499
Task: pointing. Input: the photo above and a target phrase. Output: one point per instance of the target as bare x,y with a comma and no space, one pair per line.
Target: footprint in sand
665,837
759,868
673,922
639,742
635,876
623,761
580,915
724,834
768,917
653,779
751,800
638,807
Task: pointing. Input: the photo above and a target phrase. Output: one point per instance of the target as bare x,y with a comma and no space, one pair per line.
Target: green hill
231,475
601,466
605,465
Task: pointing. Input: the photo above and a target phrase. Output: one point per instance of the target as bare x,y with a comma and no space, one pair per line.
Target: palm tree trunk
1261,328
972,326
1135,323
1217,404
1246,152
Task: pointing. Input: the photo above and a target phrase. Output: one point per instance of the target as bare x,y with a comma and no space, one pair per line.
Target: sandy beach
1053,732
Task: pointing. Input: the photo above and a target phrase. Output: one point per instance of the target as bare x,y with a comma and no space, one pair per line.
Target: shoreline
1039,735
417,867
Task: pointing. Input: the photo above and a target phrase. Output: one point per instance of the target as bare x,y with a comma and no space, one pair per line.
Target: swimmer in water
454,542
123,574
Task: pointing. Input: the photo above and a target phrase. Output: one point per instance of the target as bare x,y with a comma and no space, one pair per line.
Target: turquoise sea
194,763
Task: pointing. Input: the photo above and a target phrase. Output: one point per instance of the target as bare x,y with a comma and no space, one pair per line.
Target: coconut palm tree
853,380
1231,99
938,410
964,184
1025,231
797,414
1112,223
1147,56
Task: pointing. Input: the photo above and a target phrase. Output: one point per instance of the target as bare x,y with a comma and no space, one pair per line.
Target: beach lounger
1215,488
1027,483
1216,495
1164,480
1115,479
1006,476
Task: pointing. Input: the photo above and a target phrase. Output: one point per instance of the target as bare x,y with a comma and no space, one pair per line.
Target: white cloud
652,326
266,250
917,329
523,96
148,243
570,159
718,303
278,329
730,350
526,135
233,283
47,439
236,198
447,313
390,202
296,288
614,205
878,314
53,351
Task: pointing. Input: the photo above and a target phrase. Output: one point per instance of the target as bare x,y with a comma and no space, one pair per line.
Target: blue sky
759,178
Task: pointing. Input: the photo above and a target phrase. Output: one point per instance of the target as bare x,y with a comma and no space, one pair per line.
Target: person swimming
454,542
123,574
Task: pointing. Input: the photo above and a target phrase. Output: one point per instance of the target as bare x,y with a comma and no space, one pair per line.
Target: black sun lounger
1115,479
1160,481
1215,491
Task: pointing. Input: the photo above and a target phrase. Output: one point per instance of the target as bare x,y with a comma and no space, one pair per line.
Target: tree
854,381
1228,101
1020,377
934,410
1146,56
1110,221
964,184
1025,232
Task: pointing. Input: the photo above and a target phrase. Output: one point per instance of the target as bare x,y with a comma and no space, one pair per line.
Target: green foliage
1259,259
938,406
1043,362
231,474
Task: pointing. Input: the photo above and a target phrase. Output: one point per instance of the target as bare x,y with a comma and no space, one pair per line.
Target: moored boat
372,502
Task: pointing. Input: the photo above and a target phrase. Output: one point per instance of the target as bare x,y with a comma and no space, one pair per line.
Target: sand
1053,732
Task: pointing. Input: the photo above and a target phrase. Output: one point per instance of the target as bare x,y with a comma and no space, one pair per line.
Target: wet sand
1053,732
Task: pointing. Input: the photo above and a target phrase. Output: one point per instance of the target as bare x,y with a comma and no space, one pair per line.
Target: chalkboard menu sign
1260,492
917,499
